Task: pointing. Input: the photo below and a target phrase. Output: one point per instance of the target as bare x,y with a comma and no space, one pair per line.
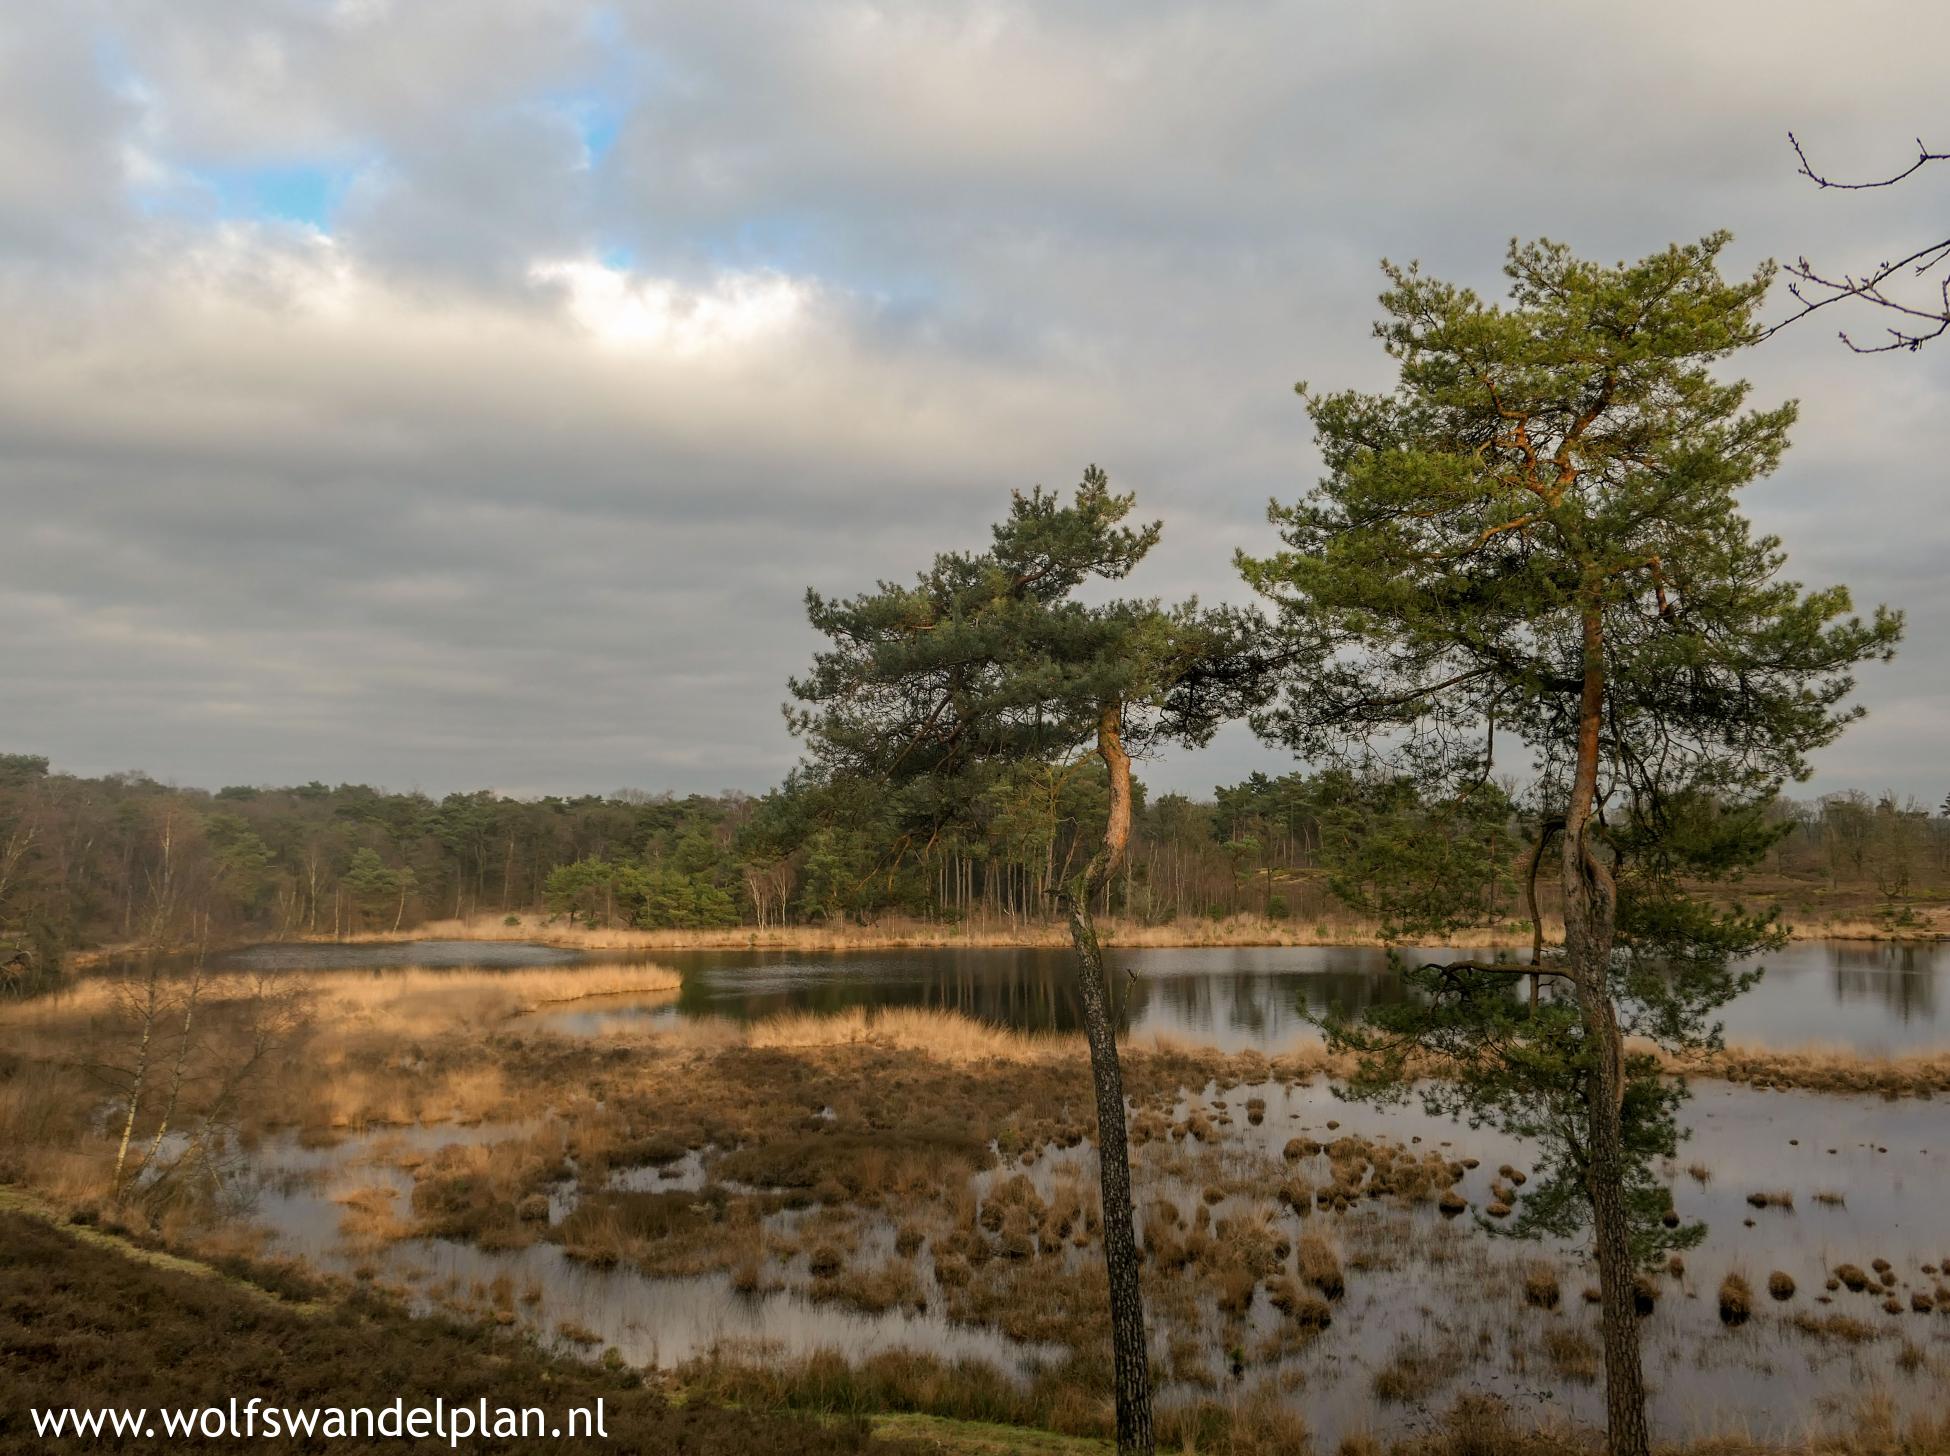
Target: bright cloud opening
664,316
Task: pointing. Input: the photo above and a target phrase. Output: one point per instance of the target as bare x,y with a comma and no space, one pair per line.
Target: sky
463,393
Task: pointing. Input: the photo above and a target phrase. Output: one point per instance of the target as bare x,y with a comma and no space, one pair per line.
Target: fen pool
1876,998
1868,1179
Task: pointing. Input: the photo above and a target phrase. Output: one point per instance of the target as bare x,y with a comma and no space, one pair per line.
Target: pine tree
1535,536
989,663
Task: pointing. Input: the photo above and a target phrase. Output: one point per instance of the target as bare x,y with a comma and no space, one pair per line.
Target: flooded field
715,1163
1425,1303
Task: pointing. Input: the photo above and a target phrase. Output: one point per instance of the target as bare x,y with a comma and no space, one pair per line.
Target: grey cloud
383,507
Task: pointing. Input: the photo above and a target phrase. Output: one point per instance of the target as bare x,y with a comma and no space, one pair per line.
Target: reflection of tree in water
1033,990
1267,1005
1901,976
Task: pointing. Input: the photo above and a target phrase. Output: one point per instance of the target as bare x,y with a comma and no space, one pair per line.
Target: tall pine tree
1536,536
989,662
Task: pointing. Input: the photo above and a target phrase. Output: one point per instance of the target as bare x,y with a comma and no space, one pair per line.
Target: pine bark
1130,1349
1590,922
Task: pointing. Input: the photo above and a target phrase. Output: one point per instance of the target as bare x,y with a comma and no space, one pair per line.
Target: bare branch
1924,156
1815,289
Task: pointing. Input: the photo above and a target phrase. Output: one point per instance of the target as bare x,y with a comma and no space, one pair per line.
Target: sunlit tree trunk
147,1010
1130,1351
190,998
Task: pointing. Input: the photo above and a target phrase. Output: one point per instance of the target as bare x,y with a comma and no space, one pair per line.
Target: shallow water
1451,1284
649,1321
1875,998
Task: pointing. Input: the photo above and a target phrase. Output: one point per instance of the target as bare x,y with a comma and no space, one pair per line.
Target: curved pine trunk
1130,1350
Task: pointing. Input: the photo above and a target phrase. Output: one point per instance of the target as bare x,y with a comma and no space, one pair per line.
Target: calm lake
1873,997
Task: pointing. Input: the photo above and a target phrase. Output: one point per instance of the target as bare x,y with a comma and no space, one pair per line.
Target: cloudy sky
464,392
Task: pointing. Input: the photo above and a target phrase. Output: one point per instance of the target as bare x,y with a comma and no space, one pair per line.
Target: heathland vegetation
1531,544
915,1165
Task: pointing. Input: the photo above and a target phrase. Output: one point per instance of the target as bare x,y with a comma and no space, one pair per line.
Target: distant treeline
125,859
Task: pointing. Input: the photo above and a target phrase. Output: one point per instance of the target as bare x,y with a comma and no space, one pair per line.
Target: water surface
1881,1170
1876,998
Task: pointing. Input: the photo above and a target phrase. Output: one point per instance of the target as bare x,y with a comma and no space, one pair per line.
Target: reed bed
363,999
479,995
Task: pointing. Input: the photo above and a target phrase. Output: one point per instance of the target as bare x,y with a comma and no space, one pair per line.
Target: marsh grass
811,1145
1736,1299
1572,1353
1416,1367
1320,1265
1835,1326
1540,1286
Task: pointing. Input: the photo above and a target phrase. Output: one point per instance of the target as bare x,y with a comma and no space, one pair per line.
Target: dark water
1873,997
398,955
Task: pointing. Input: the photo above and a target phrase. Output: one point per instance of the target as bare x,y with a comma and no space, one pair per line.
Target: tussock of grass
1843,1327
1540,1287
1320,1265
1415,1369
1572,1353
1736,1299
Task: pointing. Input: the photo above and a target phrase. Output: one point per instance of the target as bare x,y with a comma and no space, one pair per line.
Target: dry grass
1844,1327
896,932
1320,1265
369,1216
856,1128
91,1321
1540,1286
1416,1368
1736,1299
417,1000
1480,1425
1572,1353
1818,1068
480,997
